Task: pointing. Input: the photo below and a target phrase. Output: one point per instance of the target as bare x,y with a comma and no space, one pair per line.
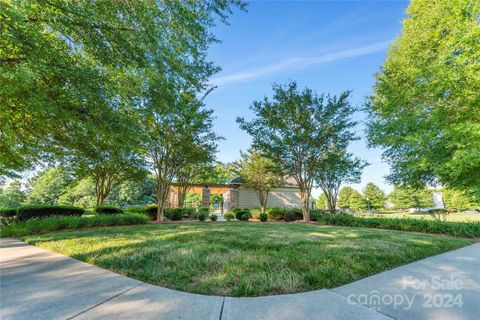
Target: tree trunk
159,202
304,197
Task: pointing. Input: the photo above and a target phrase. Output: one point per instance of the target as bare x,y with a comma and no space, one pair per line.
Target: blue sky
329,46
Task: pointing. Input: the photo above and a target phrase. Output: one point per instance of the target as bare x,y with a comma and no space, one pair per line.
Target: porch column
233,198
206,197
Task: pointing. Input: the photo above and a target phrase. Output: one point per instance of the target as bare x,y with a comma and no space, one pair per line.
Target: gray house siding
279,197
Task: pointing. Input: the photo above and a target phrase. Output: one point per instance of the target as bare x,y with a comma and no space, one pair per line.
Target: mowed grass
451,217
245,258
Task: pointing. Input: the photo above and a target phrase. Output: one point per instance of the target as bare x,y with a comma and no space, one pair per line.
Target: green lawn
245,259
452,217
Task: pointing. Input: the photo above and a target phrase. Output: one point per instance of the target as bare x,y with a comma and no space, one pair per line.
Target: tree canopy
374,196
259,173
297,129
425,109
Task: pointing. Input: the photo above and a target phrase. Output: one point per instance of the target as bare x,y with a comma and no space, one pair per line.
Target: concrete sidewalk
38,284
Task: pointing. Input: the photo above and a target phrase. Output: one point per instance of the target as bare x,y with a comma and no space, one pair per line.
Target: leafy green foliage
201,216
457,229
48,186
460,200
344,196
357,201
258,173
298,130
108,210
407,197
213,217
245,216
80,194
71,70
41,211
56,223
338,168
374,196
229,216
425,107
12,195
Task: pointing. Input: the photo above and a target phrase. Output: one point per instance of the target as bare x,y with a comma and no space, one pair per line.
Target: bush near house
108,210
457,229
42,211
245,216
229,216
240,212
201,216
284,214
213,217
175,214
54,223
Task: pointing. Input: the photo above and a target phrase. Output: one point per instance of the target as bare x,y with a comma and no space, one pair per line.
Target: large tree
344,196
259,173
374,196
425,109
172,135
47,186
338,168
404,197
66,66
357,201
297,130
12,195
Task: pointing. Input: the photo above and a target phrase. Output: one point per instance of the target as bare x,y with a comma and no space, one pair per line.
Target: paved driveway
38,284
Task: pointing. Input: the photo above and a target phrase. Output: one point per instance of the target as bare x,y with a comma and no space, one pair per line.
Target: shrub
201,216
108,210
213,217
54,223
293,214
7,216
175,214
239,213
235,210
229,216
457,229
205,210
285,214
28,212
245,216
263,217
189,212
136,209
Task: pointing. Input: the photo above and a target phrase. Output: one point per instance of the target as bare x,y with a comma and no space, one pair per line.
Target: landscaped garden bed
245,259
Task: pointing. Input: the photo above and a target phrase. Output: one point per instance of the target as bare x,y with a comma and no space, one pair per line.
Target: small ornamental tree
258,173
297,129
340,167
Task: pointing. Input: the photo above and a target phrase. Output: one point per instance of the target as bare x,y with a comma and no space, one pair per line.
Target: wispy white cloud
297,63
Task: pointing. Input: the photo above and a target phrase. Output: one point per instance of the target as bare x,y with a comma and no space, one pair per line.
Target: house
237,195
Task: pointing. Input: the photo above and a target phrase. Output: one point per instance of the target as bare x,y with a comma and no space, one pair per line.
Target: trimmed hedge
29,212
285,214
54,223
457,229
108,210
